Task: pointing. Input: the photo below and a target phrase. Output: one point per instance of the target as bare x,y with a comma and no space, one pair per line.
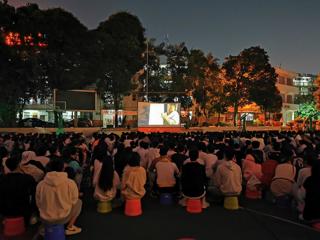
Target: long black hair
105,181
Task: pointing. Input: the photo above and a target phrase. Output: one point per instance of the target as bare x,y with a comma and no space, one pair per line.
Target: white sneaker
73,230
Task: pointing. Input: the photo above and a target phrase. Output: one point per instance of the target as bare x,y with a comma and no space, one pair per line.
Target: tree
263,90
203,74
308,111
40,50
316,93
152,81
121,42
19,56
250,77
236,84
177,69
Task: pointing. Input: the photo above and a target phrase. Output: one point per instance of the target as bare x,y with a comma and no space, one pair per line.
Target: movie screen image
158,114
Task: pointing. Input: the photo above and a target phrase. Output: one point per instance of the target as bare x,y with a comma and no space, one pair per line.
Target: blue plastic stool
166,199
54,232
283,201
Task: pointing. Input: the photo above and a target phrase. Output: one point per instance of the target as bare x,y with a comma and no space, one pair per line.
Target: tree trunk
219,114
265,117
235,115
310,124
116,108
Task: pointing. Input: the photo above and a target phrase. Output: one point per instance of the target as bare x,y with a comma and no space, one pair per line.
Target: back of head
229,153
163,151
193,154
41,150
286,154
210,148
55,165
13,162
255,144
310,157
134,159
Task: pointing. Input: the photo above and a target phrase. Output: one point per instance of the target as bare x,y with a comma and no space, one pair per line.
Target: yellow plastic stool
104,207
231,203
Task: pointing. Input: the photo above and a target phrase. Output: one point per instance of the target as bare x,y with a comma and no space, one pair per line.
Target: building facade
288,92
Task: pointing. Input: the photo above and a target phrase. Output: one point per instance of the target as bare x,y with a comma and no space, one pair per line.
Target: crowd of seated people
42,176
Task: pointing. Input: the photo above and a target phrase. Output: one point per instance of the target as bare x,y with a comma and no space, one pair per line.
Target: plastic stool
194,206
256,194
13,226
54,232
283,201
166,199
133,207
104,207
316,226
231,203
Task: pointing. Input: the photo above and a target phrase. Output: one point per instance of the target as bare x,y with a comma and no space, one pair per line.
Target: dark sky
287,29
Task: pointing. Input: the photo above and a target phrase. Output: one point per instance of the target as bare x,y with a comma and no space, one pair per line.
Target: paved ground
173,222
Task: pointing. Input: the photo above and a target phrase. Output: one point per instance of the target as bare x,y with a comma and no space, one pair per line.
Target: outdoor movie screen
158,114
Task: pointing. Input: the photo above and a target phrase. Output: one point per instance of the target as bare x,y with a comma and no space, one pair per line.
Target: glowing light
15,39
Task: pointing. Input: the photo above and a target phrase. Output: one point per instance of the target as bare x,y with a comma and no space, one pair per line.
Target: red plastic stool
133,207
256,194
14,226
194,205
316,226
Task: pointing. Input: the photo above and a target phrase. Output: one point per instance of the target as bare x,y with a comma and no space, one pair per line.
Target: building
305,83
288,92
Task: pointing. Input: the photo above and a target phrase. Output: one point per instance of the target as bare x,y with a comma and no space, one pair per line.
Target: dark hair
55,165
315,172
229,153
41,150
220,154
70,172
105,181
193,154
255,144
163,151
13,162
134,159
310,157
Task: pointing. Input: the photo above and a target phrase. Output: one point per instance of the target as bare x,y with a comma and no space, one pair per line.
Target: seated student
258,152
166,172
193,179
298,190
269,166
283,180
228,176
57,198
311,185
252,174
16,191
180,156
108,181
133,178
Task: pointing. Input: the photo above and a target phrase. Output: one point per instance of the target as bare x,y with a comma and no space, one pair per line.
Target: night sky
287,29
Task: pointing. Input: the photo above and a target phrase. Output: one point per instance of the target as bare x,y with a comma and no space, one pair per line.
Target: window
281,80
289,81
289,99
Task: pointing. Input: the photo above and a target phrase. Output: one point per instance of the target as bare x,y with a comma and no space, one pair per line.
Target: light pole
147,72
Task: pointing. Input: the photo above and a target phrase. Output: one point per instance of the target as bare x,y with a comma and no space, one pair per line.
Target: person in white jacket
57,198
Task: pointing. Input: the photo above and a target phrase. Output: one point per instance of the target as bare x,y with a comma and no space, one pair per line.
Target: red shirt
268,170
